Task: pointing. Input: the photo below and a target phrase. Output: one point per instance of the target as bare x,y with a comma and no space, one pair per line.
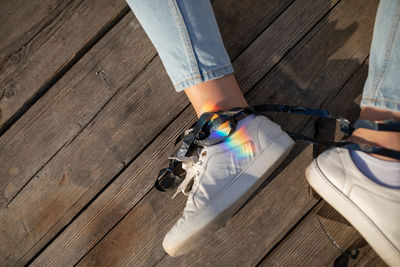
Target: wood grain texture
231,15
136,239
258,56
92,224
67,108
51,126
36,61
308,244
20,21
122,126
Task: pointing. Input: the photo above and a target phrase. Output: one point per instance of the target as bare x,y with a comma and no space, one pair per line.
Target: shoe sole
349,210
282,146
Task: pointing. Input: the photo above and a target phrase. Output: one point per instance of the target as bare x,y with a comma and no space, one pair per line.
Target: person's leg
386,139
238,152
365,188
381,96
219,94
187,39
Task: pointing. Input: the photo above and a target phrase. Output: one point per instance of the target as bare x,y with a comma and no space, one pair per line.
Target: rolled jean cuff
382,88
186,37
205,76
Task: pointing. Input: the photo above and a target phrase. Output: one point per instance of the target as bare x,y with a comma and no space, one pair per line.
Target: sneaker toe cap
174,239
168,244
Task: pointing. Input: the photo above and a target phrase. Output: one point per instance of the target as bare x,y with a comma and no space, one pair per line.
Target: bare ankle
385,139
219,94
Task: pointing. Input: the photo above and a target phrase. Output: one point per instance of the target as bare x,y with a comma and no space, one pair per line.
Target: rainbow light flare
208,107
238,138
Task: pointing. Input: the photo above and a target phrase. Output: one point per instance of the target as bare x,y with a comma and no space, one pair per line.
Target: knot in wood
9,92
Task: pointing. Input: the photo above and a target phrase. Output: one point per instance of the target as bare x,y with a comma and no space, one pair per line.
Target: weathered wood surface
309,245
49,126
69,105
70,167
15,27
97,223
50,36
267,218
236,18
23,150
79,164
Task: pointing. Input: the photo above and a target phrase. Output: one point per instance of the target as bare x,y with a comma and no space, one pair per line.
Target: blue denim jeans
188,41
382,88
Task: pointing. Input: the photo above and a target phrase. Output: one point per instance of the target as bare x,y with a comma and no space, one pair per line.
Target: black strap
199,132
387,125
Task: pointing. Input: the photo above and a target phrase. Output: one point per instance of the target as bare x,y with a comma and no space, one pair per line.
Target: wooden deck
88,116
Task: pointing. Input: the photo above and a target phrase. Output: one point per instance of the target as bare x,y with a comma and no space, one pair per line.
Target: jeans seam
185,37
388,51
200,76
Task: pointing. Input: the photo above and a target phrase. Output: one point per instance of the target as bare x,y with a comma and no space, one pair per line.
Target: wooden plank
92,224
83,166
60,42
260,48
136,239
50,125
65,110
20,21
232,14
307,245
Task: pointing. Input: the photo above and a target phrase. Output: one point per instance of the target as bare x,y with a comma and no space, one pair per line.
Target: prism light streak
238,138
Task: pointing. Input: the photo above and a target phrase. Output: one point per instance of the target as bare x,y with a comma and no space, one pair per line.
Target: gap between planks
68,148
302,32
26,78
353,63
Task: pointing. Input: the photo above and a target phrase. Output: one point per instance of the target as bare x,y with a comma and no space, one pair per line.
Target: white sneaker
225,175
374,210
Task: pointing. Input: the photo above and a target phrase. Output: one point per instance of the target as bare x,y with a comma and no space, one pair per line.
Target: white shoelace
192,165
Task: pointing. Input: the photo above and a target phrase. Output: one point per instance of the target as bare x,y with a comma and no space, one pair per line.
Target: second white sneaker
224,176
374,210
